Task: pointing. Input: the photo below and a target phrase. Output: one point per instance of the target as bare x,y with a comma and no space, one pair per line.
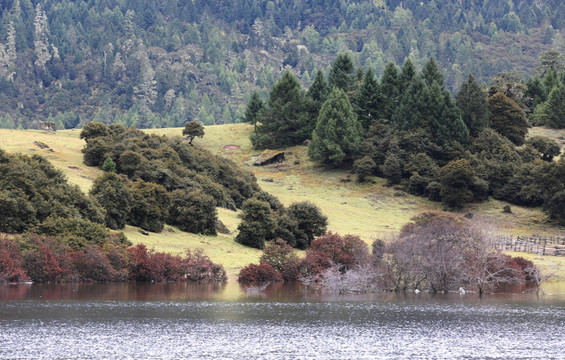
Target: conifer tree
407,74
411,108
472,101
319,89
553,109
254,106
342,73
389,90
431,73
337,136
369,102
286,121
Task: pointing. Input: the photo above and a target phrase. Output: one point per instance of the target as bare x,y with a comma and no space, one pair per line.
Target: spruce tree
319,89
337,136
431,73
342,73
407,74
412,105
318,93
389,90
554,108
369,102
286,121
472,101
254,106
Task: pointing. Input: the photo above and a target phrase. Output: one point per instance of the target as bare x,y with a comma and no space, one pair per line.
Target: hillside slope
368,210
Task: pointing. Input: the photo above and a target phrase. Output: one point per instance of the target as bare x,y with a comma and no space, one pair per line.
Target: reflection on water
201,321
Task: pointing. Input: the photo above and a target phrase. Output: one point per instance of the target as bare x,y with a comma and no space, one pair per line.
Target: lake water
191,321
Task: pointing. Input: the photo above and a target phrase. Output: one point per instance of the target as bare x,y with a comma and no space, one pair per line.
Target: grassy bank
368,210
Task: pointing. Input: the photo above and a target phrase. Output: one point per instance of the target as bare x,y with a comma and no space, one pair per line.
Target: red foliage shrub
290,271
507,270
259,274
314,263
527,267
140,265
11,262
282,258
151,266
200,268
47,260
332,249
91,264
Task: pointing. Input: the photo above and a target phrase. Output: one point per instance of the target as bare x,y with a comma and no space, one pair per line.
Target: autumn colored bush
259,274
280,255
527,267
92,264
11,262
200,268
47,260
147,265
332,249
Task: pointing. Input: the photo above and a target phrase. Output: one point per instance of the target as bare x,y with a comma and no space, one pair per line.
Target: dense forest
160,63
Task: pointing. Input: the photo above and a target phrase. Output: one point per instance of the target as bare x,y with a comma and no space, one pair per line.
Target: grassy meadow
370,210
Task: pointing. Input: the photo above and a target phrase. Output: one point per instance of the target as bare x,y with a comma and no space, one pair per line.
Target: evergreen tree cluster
545,94
407,128
160,180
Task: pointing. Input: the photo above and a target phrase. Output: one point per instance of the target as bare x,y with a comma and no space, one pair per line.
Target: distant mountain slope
160,63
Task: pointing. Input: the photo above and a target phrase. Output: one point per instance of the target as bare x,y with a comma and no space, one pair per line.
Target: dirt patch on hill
232,147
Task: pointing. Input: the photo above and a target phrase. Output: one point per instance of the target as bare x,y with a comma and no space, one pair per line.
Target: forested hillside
154,63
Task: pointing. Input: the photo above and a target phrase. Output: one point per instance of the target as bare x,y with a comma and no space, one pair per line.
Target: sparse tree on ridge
193,129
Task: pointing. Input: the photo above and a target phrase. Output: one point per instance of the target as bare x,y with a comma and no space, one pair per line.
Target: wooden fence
542,245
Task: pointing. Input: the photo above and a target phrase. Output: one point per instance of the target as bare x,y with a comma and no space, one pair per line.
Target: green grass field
368,210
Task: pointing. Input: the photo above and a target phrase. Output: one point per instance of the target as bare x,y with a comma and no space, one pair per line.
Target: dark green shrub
310,222
257,224
193,212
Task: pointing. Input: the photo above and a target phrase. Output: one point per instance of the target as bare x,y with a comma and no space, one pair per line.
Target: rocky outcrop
269,157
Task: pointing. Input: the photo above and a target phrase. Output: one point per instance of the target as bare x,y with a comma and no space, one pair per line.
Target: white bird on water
417,291
461,291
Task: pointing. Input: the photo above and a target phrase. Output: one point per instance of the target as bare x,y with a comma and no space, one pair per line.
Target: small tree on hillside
193,212
193,129
111,191
337,136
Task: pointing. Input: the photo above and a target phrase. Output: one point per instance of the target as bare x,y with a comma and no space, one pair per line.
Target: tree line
407,128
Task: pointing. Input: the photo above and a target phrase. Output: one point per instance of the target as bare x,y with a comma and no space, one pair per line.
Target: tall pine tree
286,121
389,90
472,101
369,102
342,73
254,106
337,136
